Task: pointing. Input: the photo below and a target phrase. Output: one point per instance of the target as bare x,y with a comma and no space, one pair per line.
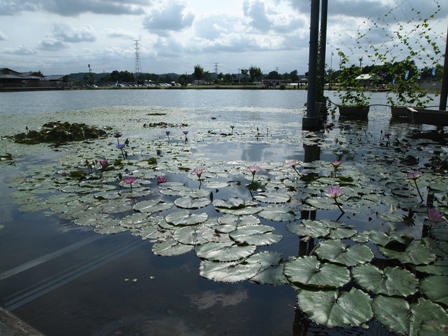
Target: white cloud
68,33
3,36
51,43
19,50
168,17
119,33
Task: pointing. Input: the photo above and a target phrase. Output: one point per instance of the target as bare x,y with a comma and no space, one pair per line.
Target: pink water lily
336,163
334,192
293,164
161,179
130,180
104,163
253,170
414,175
198,172
435,215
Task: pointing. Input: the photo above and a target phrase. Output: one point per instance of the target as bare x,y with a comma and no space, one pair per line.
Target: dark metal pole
323,43
443,93
311,121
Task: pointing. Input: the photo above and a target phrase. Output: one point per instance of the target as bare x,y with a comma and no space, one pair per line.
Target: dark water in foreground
64,279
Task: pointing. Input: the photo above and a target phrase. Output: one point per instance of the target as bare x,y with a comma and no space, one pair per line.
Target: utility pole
138,66
216,70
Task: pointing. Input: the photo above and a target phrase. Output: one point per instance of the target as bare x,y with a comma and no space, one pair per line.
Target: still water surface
66,280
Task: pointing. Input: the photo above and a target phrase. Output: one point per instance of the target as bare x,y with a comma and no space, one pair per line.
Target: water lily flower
253,170
334,192
232,127
161,179
414,176
336,165
435,215
104,163
293,164
130,180
121,146
185,133
198,172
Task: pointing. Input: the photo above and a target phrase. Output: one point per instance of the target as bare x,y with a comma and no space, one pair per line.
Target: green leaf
392,281
184,217
336,308
278,214
192,203
227,271
308,271
170,247
415,254
313,229
226,251
193,235
255,235
340,253
435,288
422,318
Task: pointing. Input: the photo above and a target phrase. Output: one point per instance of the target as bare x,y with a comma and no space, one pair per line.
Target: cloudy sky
65,36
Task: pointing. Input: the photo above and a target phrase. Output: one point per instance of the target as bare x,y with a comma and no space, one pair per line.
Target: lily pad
192,235
227,251
435,288
185,217
309,271
228,271
278,214
255,235
415,254
309,228
192,203
273,198
391,281
336,308
339,253
170,247
421,318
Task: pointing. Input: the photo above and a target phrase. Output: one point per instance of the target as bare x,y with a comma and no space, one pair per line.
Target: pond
208,212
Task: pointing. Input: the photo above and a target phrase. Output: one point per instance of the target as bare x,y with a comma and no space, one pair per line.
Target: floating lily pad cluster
372,262
60,132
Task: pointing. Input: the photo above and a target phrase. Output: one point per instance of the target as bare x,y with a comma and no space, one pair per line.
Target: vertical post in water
311,121
443,93
323,44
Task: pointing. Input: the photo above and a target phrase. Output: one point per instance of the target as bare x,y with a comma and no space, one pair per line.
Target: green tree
255,74
244,72
294,76
198,73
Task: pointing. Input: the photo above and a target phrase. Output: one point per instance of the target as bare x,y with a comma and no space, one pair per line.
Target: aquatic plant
334,192
414,176
130,180
435,216
293,164
336,164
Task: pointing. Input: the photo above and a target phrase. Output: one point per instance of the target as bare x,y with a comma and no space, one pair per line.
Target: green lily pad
391,281
227,271
415,254
170,247
185,217
342,233
336,308
192,203
192,235
278,214
439,232
421,318
435,288
337,252
255,235
309,271
227,251
439,267
236,206
309,228
273,198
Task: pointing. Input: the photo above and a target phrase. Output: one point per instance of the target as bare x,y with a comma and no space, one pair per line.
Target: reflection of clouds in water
209,298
